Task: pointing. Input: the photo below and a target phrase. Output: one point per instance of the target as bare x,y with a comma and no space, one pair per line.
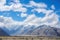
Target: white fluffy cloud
18,7
14,6
52,7
2,2
50,18
8,22
23,15
16,1
37,5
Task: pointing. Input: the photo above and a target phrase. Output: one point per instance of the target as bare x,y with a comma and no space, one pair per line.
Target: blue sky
29,12
15,17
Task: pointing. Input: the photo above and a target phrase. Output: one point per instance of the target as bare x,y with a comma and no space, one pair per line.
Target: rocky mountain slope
42,30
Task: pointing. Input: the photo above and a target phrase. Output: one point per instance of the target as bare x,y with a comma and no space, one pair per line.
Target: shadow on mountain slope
3,33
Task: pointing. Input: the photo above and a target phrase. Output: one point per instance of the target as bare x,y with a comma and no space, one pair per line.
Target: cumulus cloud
8,22
17,6
5,8
16,1
51,20
2,2
23,15
37,5
30,20
52,7
42,5
50,17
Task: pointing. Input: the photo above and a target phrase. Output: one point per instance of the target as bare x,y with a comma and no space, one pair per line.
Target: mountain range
42,30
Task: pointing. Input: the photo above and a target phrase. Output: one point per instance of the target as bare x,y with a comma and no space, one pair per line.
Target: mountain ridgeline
42,30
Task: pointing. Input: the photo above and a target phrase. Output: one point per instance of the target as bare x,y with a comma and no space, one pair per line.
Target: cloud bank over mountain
50,17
